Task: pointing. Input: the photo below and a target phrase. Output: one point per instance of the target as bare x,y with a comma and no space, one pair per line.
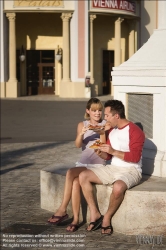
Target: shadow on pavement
14,168
9,157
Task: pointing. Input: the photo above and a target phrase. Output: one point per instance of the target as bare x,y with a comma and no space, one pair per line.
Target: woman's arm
80,133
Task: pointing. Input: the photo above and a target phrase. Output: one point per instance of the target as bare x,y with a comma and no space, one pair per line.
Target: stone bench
143,210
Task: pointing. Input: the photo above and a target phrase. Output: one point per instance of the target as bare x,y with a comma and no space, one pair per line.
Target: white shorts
79,164
109,174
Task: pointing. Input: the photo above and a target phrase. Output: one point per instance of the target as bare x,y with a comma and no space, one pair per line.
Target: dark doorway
108,63
40,72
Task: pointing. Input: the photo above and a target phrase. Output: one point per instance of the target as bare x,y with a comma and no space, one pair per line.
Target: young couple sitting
122,144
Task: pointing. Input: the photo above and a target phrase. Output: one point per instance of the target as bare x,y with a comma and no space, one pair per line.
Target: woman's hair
94,104
116,107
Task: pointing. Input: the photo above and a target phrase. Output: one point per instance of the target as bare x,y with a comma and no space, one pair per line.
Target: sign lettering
126,5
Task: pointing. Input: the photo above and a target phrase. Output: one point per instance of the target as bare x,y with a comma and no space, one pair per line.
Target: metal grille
140,110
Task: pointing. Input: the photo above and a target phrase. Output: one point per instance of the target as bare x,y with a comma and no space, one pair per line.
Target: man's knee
119,188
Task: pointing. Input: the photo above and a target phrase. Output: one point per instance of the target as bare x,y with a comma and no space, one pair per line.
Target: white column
118,41
92,17
66,48
131,38
11,85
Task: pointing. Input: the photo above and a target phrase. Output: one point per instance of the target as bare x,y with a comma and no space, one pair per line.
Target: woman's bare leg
70,176
86,179
76,200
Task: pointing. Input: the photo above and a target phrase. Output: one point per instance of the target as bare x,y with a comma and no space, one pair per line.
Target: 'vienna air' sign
115,4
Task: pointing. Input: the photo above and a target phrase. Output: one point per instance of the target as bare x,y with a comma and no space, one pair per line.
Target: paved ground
41,118
21,216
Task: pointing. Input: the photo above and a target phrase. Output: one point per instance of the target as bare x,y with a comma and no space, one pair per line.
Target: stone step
143,210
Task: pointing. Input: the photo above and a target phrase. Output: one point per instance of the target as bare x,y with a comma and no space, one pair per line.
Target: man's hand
107,126
107,148
101,154
98,152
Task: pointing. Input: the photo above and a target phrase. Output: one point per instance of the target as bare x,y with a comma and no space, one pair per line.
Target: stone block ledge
141,212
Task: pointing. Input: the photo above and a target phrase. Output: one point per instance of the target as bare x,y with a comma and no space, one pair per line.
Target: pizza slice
95,127
96,144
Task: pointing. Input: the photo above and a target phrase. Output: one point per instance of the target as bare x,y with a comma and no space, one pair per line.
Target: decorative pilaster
66,49
11,85
131,38
12,47
118,41
92,17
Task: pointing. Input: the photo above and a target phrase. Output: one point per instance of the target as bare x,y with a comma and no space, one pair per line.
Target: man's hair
94,104
116,107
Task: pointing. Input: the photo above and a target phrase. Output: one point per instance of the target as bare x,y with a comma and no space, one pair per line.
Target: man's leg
86,178
116,198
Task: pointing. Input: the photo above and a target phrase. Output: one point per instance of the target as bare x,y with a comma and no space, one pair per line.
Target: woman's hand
81,129
84,129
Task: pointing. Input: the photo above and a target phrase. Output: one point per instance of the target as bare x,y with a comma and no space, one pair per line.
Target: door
46,78
40,72
33,58
108,63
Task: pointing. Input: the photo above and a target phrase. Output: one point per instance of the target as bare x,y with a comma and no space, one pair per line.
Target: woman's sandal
74,226
105,228
60,219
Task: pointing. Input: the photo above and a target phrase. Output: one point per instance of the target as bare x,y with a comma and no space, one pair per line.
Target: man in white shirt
124,148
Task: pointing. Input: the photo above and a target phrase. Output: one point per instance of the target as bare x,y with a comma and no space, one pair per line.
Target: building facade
63,47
